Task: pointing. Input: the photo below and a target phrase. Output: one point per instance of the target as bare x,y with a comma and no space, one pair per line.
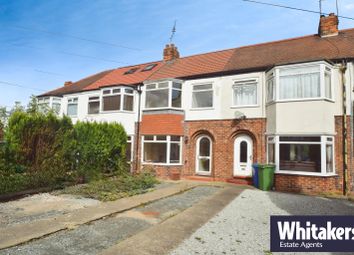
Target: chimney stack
170,52
328,25
68,83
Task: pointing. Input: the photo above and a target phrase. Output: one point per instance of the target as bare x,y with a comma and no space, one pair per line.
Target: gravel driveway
243,226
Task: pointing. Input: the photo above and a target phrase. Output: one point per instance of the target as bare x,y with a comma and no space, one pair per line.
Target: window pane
329,158
204,165
149,137
202,99
328,89
174,153
175,138
176,98
156,98
150,86
300,86
243,152
203,87
111,103
128,103
93,107
300,138
161,138
163,85
204,147
115,91
245,95
72,109
300,157
176,85
270,90
106,92
271,150
155,152
128,152
56,107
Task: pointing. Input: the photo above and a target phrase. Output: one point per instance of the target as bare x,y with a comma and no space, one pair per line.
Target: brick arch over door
222,133
237,133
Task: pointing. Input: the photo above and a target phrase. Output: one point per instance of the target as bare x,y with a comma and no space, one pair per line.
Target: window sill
300,100
287,172
108,112
162,164
202,109
244,106
203,174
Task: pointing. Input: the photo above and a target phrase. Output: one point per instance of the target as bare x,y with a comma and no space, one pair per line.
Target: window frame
244,83
122,93
276,74
130,139
203,90
324,140
170,89
71,101
168,142
91,100
210,157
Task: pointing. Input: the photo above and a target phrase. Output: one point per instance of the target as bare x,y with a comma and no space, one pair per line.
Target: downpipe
343,69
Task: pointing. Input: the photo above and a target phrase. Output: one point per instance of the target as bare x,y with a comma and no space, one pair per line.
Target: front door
243,157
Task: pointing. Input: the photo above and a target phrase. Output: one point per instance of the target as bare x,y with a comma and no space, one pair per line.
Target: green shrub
99,149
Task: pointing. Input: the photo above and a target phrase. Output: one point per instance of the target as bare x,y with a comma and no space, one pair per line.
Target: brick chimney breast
328,25
170,52
68,83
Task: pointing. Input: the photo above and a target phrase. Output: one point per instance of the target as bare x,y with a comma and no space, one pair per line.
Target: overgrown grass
111,189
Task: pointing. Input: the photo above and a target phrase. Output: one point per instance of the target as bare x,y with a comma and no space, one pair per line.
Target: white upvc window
300,82
72,106
245,93
166,94
117,99
129,149
93,104
162,149
271,88
306,155
45,104
202,96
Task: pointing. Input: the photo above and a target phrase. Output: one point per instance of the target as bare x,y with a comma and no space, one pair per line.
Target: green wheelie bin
265,176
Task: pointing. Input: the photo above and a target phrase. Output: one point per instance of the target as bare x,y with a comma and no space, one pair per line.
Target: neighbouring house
211,116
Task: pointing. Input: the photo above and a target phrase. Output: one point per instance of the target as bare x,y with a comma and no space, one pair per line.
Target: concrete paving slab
162,238
21,233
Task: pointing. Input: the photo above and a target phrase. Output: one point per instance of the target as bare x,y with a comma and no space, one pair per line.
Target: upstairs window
245,93
72,106
202,96
328,83
149,67
270,88
131,71
94,105
163,95
300,82
118,99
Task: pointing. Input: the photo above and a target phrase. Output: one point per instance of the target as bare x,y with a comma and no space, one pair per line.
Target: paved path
20,233
243,226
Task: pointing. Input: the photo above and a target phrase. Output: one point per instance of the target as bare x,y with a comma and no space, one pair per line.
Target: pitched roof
76,86
261,56
243,59
119,76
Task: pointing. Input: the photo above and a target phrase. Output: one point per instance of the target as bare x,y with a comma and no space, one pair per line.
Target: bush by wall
43,150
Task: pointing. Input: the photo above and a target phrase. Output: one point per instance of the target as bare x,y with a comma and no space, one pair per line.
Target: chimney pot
170,52
328,25
68,83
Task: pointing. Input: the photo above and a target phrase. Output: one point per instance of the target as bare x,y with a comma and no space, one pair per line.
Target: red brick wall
223,133
162,124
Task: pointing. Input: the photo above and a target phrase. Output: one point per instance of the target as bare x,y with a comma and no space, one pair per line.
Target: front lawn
111,189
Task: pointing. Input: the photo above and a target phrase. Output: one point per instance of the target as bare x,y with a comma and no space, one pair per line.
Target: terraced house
211,116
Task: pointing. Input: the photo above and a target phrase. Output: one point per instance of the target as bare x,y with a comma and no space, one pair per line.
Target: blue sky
43,61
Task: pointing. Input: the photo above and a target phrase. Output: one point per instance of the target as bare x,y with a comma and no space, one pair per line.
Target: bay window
301,154
245,93
72,106
118,99
202,96
162,149
300,82
165,94
45,104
